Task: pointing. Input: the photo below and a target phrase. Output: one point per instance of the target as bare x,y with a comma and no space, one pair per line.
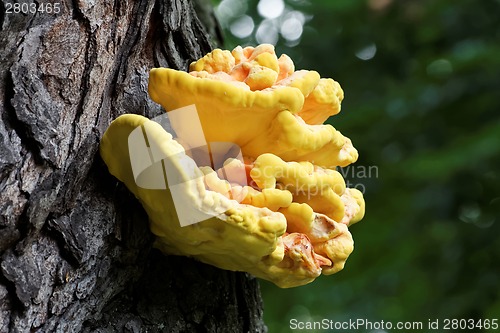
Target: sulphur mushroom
277,209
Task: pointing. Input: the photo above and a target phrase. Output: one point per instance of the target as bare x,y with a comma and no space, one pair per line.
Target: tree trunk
75,248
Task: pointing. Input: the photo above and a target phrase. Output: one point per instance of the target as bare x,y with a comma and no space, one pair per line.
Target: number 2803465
32,8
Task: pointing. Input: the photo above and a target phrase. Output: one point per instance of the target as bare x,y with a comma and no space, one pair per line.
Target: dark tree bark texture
75,249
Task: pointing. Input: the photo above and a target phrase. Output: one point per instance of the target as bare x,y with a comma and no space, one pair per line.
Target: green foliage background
425,111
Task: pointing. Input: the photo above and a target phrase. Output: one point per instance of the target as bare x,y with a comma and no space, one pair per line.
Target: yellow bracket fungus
279,211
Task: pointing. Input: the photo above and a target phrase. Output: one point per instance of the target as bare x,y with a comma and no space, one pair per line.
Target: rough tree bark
75,248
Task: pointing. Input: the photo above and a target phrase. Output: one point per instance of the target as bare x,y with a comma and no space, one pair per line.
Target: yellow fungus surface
286,219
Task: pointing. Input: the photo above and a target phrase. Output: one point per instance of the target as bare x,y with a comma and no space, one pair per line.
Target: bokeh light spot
440,68
379,4
267,32
469,213
271,8
242,27
292,25
229,9
367,52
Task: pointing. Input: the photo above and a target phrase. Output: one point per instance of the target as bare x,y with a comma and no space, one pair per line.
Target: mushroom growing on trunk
245,179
